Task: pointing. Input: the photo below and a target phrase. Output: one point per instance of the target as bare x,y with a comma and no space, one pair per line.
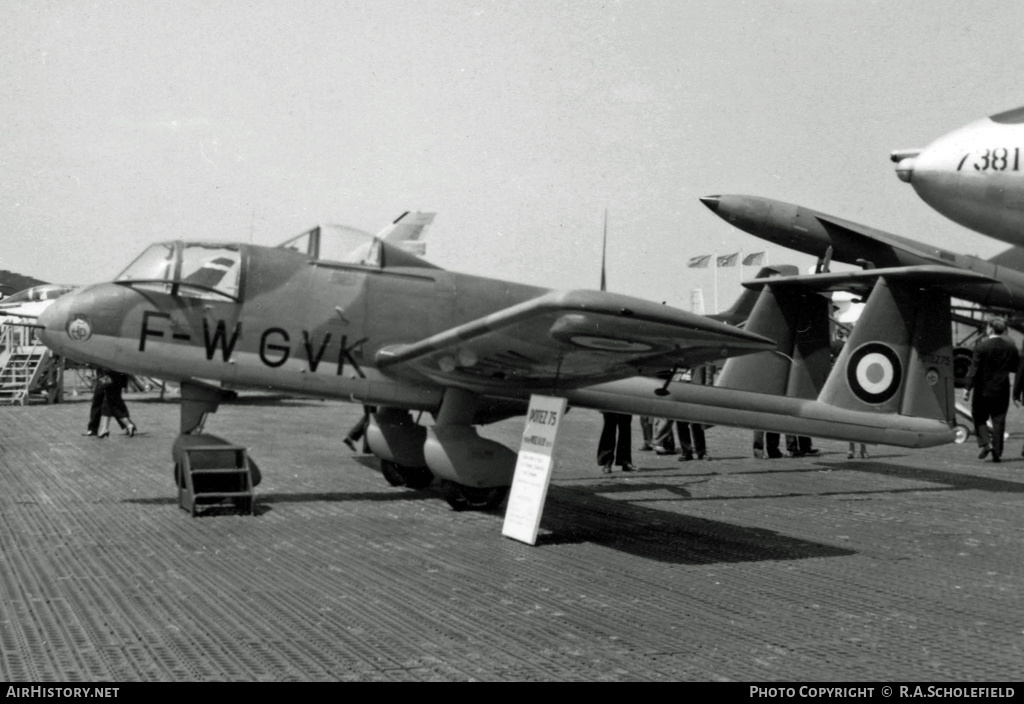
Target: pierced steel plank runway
904,566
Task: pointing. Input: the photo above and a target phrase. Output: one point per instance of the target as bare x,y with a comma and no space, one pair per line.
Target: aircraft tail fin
740,310
897,360
899,356
407,230
798,322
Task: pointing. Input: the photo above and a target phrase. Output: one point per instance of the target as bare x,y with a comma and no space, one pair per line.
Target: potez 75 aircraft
385,327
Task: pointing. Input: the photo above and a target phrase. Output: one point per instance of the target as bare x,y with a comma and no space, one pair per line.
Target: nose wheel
962,433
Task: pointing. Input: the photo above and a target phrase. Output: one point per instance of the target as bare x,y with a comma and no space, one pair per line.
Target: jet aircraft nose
712,202
905,160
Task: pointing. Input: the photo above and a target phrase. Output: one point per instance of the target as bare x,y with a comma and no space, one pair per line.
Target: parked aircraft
833,239
391,330
28,304
974,175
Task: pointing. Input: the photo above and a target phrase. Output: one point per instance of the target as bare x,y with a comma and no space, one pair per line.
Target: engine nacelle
458,454
394,436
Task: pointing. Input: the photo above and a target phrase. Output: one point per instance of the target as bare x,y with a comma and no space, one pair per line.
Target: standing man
616,443
995,358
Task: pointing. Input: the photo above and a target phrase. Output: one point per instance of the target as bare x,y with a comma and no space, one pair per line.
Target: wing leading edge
567,339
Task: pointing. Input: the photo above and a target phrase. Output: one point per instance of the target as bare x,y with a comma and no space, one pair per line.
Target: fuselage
294,325
974,175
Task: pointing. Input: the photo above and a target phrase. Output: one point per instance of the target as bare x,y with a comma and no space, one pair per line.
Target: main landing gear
467,498
411,477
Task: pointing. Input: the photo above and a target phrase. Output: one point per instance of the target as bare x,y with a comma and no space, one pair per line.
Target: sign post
533,469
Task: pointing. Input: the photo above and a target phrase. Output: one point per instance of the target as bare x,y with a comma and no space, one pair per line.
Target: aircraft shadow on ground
951,481
582,515
585,513
954,481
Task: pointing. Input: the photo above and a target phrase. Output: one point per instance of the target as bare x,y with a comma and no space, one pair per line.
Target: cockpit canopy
336,243
195,269
214,270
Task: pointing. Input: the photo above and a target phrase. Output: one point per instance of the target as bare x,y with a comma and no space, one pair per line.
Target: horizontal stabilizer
946,278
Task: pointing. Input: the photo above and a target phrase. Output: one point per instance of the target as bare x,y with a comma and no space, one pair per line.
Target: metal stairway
28,367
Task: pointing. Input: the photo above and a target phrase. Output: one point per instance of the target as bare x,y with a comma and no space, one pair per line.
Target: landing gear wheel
962,433
468,498
391,474
412,477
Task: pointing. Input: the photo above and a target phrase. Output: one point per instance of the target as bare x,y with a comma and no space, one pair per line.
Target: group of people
987,387
107,403
615,444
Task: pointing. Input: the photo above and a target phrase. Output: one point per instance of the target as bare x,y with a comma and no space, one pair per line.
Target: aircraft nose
53,320
905,160
76,324
712,202
905,170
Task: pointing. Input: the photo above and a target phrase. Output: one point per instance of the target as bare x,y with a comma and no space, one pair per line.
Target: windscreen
191,269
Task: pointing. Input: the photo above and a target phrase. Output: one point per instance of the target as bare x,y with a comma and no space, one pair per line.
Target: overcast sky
127,123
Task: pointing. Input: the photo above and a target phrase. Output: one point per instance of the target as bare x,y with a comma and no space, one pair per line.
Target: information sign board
533,469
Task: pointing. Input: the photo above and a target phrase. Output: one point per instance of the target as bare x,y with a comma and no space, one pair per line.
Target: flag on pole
700,262
755,259
728,259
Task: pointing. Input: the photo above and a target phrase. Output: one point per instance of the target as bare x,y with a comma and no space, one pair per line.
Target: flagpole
714,258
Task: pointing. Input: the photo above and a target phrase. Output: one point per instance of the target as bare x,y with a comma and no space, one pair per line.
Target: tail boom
892,383
779,414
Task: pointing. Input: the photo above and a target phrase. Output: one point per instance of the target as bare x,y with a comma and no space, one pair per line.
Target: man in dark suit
616,442
988,379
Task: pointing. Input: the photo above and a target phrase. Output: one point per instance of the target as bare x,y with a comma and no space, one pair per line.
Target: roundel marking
874,372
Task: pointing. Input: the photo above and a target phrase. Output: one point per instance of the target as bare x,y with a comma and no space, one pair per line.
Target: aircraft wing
567,339
851,230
